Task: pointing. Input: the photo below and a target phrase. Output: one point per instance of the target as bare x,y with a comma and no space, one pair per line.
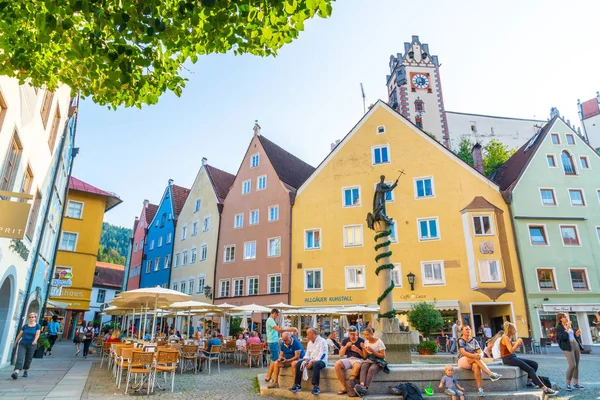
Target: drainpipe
214,289
290,257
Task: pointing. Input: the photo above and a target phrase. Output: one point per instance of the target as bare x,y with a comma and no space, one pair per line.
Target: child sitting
448,381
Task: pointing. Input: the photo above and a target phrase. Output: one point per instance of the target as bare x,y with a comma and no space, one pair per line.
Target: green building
552,184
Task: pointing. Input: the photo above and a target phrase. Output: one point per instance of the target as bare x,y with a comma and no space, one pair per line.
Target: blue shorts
274,350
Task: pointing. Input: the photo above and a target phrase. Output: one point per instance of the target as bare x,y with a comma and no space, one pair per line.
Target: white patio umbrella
189,305
344,321
282,306
359,310
253,308
313,321
244,323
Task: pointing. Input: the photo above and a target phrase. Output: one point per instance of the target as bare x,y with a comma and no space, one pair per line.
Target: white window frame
320,239
167,261
306,271
271,276
345,235
184,258
273,207
75,202
225,260
206,223
61,240
587,279
587,160
377,130
242,286
175,286
235,220
169,237
493,231
160,241
537,277
553,195
394,235
193,255
183,286
582,197
258,179
363,273
135,247
191,286
576,232
269,255
416,189
257,211
545,235
221,281
554,158
398,270
257,285
252,157
249,258
194,228
392,193
203,252
148,266
177,260
437,225
487,260
151,245
157,263
380,146
443,270
197,205
247,183
183,232
201,278
344,205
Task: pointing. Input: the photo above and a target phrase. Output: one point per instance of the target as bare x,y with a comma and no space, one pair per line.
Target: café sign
13,214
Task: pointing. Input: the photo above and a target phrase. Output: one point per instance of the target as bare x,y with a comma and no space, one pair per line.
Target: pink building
137,247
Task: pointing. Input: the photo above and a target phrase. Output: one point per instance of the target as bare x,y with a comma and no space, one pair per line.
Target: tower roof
112,200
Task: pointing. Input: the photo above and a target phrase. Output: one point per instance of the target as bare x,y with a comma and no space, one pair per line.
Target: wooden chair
161,342
166,362
105,353
176,346
255,351
189,358
229,350
214,354
140,364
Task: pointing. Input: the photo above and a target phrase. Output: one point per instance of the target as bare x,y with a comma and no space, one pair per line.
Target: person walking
27,342
53,328
88,336
273,332
455,335
78,338
569,342
471,357
507,352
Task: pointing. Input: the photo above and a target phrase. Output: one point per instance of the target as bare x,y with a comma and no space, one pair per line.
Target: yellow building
452,229
73,275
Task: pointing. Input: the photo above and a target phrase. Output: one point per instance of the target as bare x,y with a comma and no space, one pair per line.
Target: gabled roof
150,213
289,168
479,203
510,172
112,200
109,275
221,181
180,194
135,224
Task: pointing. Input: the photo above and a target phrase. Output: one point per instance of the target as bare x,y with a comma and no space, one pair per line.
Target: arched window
567,162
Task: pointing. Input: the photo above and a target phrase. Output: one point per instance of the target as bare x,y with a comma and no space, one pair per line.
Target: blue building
158,249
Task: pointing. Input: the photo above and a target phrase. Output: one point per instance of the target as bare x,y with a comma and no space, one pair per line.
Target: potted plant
43,344
425,318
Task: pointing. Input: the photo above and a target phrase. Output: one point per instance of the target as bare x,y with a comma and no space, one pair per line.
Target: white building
35,158
589,113
108,279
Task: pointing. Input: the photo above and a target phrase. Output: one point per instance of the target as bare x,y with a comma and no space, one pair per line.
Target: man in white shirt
455,334
487,332
315,359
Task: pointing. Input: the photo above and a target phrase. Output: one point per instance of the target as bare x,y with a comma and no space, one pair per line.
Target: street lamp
208,292
411,280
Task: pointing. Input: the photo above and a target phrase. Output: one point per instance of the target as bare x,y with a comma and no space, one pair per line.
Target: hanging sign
13,214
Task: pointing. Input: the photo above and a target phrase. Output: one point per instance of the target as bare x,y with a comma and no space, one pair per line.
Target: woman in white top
240,343
492,347
369,368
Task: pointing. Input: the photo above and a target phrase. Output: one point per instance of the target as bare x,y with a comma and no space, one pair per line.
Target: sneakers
295,388
531,385
494,377
568,388
267,380
77,353
316,390
360,390
578,386
480,392
549,392
14,375
24,374
273,385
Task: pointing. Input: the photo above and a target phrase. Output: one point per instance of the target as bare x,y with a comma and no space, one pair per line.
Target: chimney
204,160
146,202
478,158
170,182
256,128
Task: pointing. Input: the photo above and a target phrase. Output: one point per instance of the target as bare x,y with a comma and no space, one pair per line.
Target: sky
505,58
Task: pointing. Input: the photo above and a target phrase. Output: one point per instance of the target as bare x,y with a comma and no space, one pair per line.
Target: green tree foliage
464,151
114,243
425,318
129,52
495,153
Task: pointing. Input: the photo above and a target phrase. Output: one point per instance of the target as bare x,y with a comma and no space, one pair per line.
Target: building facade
452,230
35,127
158,245
106,286
73,275
136,260
589,113
253,261
552,186
195,248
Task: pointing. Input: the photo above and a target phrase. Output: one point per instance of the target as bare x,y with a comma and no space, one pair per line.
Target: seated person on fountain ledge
471,357
353,350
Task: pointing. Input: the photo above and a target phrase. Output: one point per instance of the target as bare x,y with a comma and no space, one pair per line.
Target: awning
439,304
554,308
57,304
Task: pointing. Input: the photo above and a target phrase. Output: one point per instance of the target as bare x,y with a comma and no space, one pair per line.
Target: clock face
420,81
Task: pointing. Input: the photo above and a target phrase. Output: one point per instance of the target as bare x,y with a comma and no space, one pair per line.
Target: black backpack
408,391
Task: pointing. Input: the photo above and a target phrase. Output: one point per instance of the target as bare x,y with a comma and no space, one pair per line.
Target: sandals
342,392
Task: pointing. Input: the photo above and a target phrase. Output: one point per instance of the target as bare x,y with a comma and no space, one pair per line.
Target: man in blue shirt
291,351
53,328
213,341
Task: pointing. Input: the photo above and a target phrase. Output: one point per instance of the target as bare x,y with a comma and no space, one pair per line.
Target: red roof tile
109,275
150,213
590,108
289,168
112,199
221,181
479,203
180,194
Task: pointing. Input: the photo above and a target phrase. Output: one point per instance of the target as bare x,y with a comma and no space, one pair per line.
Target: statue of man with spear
379,212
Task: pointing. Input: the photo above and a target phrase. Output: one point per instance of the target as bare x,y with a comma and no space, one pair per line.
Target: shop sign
412,296
63,276
567,308
13,214
61,282
330,299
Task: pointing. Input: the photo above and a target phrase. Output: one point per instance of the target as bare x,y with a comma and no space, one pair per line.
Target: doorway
5,297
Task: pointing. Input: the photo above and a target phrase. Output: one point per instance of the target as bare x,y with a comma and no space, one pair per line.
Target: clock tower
415,89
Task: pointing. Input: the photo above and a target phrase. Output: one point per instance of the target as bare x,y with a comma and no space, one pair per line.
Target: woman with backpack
88,336
78,338
507,352
569,342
